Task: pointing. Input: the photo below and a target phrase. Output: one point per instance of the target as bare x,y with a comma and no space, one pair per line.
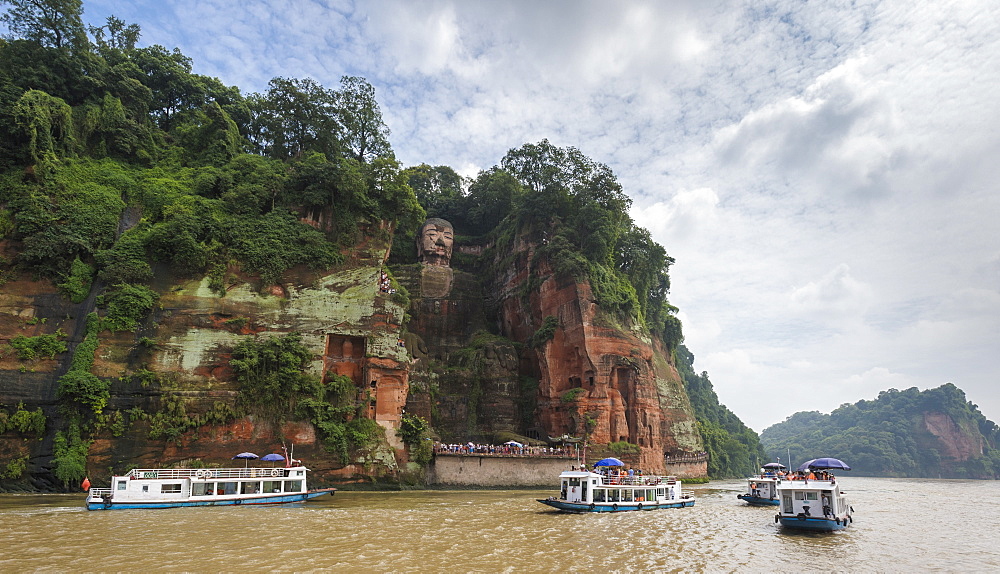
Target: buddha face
435,242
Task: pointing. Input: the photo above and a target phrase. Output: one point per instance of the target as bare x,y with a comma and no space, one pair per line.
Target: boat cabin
813,498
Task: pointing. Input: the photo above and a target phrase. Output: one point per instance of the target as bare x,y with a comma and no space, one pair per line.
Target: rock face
463,362
344,316
596,378
956,444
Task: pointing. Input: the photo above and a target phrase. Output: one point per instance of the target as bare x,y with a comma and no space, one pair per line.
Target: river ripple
901,525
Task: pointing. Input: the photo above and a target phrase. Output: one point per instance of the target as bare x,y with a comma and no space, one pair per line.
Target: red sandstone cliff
596,378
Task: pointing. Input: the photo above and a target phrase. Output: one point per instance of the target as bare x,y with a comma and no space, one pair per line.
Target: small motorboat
811,499
762,487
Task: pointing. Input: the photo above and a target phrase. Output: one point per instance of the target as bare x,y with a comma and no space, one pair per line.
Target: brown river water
901,525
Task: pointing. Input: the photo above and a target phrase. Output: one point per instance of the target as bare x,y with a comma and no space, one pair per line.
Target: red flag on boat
86,484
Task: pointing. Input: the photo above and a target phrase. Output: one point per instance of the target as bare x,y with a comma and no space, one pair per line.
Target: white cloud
836,295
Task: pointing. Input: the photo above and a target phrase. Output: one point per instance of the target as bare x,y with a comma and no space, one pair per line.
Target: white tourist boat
586,491
175,487
811,498
762,487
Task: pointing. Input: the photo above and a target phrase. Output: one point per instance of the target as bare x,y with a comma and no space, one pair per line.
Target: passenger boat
174,487
761,488
586,491
811,499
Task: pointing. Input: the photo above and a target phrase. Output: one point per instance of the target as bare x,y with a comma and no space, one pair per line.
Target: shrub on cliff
126,305
415,432
28,348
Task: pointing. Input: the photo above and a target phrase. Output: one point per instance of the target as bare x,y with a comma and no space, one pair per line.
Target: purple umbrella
828,463
246,456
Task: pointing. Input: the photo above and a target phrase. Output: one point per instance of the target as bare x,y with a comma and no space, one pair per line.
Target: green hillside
910,433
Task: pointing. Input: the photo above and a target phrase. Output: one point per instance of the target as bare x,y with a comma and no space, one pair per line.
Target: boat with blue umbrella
609,488
811,499
762,487
176,487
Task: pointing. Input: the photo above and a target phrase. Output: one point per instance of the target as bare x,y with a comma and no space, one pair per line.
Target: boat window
121,485
599,495
661,492
812,496
799,495
787,500
202,488
227,488
574,482
293,486
145,488
614,495
627,495
171,488
250,488
272,486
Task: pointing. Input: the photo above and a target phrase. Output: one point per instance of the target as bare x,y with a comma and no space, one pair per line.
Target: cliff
178,363
444,365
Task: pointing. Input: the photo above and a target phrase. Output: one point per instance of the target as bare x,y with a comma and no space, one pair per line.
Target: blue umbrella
246,456
273,457
805,465
774,465
612,461
828,463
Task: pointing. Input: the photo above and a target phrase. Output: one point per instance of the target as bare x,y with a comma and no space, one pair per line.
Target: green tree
55,23
363,134
294,117
115,36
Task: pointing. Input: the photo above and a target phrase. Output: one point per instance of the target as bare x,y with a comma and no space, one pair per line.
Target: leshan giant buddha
435,242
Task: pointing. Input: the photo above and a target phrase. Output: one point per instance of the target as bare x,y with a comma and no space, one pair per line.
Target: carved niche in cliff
434,248
384,385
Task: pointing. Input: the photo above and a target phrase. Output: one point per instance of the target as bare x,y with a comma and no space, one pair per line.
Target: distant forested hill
911,433
733,448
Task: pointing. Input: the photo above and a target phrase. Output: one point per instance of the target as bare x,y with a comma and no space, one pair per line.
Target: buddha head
434,242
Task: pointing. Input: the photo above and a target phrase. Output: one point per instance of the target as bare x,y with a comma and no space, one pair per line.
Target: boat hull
613,507
814,524
758,501
243,501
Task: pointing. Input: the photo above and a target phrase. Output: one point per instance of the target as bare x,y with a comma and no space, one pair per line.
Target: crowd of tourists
802,475
515,449
385,284
621,475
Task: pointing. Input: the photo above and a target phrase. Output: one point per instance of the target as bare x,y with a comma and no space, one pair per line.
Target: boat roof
577,474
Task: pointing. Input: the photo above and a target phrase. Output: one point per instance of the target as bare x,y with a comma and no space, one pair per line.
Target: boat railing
205,473
100,492
644,480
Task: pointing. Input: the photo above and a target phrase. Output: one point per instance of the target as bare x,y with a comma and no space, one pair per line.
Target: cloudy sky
820,171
